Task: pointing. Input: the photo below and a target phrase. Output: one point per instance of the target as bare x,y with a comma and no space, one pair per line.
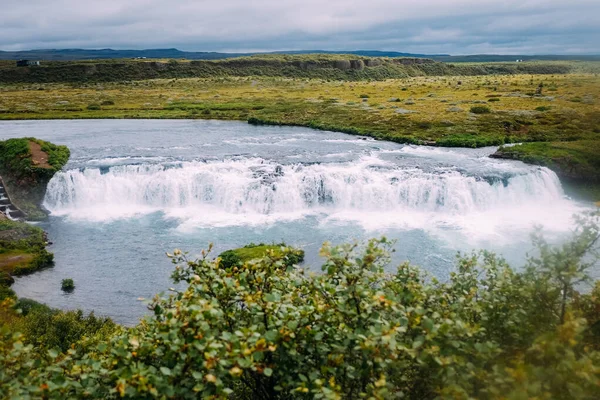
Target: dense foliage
67,285
47,328
25,177
338,67
22,251
15,159
268,331
235,257
575,160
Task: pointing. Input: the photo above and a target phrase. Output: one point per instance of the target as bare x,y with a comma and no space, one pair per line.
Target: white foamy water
373,192
136,189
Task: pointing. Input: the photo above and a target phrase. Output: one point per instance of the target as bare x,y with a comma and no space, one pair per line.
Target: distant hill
96,54
316,66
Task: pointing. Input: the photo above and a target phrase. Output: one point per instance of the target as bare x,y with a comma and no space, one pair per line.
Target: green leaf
268,371
418,342
165,371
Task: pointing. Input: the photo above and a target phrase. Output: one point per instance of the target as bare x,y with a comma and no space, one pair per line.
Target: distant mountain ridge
96,54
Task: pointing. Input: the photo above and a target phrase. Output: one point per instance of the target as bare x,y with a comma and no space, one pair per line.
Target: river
136,189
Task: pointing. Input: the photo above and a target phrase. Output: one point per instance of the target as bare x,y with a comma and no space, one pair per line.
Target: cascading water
256,186
135,189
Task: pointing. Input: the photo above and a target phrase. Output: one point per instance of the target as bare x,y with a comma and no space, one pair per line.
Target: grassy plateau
557,107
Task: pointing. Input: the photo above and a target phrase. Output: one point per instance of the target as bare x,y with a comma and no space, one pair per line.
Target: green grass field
435,110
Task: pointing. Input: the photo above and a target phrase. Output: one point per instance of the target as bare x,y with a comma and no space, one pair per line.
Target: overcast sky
420,26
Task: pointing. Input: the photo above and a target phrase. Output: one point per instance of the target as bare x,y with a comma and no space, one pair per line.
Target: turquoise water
136,189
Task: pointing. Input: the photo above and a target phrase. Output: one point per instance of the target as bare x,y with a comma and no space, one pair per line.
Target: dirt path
38,156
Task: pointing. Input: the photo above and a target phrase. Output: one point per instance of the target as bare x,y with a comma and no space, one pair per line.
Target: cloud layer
423,26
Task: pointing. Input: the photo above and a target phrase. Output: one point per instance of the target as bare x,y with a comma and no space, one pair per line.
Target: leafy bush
6,293
493,99
48,328
6,279
67,285
353,331
229,259
108,103
480,110
94,107
543,108
364,96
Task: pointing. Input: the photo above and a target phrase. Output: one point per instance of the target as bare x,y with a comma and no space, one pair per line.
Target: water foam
372,192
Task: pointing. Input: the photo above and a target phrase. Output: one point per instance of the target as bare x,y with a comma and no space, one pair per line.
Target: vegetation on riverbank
419,110
312,66
22,251
26,167
267,331
574,161
235,257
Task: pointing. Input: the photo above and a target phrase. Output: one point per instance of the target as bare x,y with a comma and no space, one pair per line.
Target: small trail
38,156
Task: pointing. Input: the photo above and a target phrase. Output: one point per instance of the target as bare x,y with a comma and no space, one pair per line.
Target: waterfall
257,186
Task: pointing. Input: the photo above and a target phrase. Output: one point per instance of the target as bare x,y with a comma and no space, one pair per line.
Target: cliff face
337,67
26,167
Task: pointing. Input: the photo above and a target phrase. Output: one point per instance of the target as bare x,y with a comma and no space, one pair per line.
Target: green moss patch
22,248
26,166
231,258
574,161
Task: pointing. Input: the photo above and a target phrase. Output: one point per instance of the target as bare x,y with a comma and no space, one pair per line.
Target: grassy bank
312,66
22,251
576,161
26,167
235,257
468,111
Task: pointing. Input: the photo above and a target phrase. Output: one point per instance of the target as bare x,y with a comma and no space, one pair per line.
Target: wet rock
404,111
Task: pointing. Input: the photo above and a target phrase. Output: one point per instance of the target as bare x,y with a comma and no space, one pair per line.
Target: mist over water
136,189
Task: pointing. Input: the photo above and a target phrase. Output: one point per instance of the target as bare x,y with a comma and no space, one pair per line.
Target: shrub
108,103
357,330
67,285
48,328
251,251
93,107
6,293
480,110
229,259
543,108
493,99
364,96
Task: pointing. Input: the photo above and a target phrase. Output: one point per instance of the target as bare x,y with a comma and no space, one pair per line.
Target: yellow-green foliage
26,178
334,67
235,257
422,110
358,329
577,160
22,248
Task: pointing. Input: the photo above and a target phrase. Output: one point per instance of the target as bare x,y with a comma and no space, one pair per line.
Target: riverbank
472,111
345,67
26,167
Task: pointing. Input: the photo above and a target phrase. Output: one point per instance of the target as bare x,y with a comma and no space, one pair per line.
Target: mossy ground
253,251
26,166
22,251
422,110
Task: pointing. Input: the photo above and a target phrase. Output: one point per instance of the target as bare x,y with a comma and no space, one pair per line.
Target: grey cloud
434,26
